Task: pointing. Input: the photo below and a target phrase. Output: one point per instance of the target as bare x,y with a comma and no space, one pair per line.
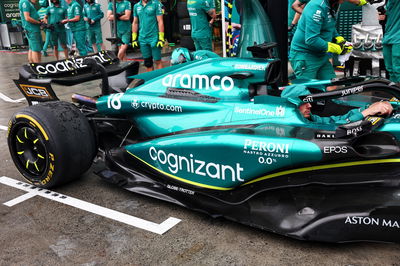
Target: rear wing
35,79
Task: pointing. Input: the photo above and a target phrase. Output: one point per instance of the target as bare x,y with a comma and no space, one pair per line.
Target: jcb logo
34,91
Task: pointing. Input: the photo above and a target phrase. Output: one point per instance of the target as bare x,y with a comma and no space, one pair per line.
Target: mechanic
77,24
42,12
298,5
377,108
55,14
148,21
31,24
93,14
182,55
315,38
201,27
391,40
295,10
122,16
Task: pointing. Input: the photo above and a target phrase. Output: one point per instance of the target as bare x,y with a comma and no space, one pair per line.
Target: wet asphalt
40,231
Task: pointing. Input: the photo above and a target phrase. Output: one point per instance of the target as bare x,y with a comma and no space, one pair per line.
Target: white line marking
8,99
20,199
86,206
3,128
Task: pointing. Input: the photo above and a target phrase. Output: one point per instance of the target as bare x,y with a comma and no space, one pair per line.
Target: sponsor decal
396,116
324,136
35,91
201,82
317,16
335,149
354,131
50,171
279,111
362,220
308,99
67,65
250,67
354,90
136,103
374,120
269,149
178,163
180,189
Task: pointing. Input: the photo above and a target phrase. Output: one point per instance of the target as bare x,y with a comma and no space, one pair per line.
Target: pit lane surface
39,231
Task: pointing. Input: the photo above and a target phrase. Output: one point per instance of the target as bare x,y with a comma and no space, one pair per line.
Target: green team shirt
27,6
198,10
75,9
56,14
147,16
122,6
93,12
315,29
392,35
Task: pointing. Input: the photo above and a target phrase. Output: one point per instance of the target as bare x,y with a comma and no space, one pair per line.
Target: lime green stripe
178,178
321,167
288,172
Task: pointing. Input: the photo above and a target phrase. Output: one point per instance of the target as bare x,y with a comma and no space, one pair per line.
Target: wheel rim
30,151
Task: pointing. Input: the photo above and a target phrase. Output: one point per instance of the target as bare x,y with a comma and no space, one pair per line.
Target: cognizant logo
202,82
67,65
177,163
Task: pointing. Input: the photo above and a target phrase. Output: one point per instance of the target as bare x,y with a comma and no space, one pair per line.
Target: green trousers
80,41
391,54
308,66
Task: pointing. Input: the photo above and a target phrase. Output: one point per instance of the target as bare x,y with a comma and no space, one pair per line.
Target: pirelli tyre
51,143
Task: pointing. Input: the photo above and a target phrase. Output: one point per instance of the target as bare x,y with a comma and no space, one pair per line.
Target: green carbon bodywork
217,160
207,130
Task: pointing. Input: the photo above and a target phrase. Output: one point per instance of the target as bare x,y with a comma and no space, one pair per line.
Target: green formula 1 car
215,136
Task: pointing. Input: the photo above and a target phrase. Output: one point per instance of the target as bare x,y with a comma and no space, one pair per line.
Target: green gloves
134,40
339,46
161,40
334,48
338,40
362,2
347,49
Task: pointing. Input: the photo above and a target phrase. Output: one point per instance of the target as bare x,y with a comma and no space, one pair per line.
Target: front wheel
51,143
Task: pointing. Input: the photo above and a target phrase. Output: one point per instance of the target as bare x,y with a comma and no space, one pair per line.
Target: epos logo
201,82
